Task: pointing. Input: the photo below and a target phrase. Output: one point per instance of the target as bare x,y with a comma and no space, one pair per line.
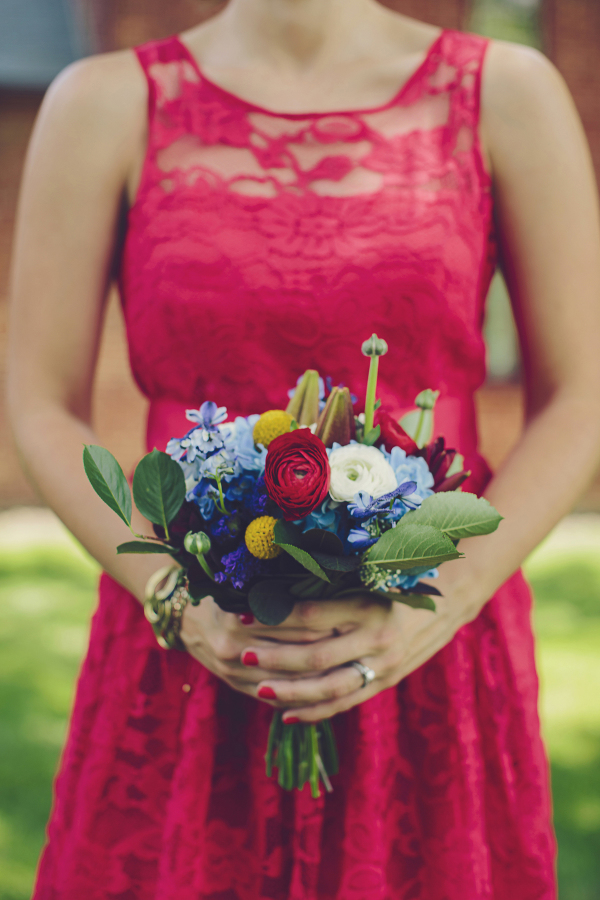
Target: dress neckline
430,52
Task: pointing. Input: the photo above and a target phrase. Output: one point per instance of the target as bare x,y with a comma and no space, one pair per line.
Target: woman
266,234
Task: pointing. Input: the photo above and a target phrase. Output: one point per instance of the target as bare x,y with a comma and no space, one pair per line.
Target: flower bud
198,544
304,405
374,346
336,422
426,399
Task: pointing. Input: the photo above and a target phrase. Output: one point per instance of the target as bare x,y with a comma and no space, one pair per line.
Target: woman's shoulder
99,104
519,80
526,108
102,94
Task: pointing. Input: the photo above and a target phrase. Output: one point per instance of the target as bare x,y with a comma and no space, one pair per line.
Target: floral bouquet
310,502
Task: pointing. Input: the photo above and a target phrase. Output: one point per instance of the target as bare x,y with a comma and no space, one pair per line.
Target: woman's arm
547,209
83,163
86,144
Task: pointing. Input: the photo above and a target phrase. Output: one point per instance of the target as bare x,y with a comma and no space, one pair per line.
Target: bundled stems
303,753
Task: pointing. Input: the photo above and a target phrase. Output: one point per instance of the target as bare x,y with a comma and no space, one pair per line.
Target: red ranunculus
393,434
297,473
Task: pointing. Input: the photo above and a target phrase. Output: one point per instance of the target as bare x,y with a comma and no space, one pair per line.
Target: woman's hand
303,665
391,639
219,640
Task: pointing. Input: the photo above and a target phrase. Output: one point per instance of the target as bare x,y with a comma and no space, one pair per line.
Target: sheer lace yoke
260,153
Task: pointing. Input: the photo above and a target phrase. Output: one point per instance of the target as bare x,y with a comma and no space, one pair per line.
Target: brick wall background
572,35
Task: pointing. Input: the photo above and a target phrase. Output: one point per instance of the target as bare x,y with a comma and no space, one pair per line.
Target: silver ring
368,674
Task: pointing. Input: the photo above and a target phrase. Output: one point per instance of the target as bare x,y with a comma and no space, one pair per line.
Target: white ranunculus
357,467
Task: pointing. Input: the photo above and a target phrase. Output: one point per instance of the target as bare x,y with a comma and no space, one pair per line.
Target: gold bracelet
166,597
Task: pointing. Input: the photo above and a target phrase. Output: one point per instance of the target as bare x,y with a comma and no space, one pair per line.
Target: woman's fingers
303,691
319,656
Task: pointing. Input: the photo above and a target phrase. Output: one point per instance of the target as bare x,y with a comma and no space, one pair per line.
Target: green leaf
288,533
410,545
317,540
308,589
458,515
106,477
288,537
143,547
199,590
416,601
373,435
159,488
271,602
338,563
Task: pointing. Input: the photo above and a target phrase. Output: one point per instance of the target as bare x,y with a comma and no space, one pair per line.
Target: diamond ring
367,674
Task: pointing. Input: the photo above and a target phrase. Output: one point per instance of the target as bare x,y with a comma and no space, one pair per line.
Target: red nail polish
267,693
249,658
246,618
291,721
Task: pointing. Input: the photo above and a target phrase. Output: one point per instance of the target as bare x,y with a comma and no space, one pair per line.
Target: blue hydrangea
407,580
326,516
410,468
239,444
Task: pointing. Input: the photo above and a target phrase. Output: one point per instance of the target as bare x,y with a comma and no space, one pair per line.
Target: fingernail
249,658
246,618
267,693
291,721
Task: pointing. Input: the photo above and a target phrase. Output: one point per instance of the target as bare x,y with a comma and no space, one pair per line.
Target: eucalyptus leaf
410,545
159,488
457,514
271,602
106,477
284,532
143,547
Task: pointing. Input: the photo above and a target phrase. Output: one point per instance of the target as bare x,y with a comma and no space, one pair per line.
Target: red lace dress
260,245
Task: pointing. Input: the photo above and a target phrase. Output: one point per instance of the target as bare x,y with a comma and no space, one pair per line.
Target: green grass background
47,594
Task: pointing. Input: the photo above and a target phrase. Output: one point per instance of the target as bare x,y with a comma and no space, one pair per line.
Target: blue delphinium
256,501
360,539
240,566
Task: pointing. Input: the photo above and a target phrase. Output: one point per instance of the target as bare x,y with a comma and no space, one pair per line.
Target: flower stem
205,566
222,506
371,392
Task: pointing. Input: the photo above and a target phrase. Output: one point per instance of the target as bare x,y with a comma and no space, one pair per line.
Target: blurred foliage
48,593
508,20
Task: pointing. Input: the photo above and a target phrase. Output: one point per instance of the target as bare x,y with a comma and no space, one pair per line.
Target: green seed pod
198,544
426,399
374,346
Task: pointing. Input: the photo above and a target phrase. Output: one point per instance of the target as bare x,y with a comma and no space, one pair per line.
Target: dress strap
168,71
455,67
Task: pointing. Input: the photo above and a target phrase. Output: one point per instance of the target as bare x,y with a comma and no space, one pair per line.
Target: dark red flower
297,473
439,459
393,434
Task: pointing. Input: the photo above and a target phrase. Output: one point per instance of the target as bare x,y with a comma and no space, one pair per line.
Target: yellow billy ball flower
272,424
259,538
